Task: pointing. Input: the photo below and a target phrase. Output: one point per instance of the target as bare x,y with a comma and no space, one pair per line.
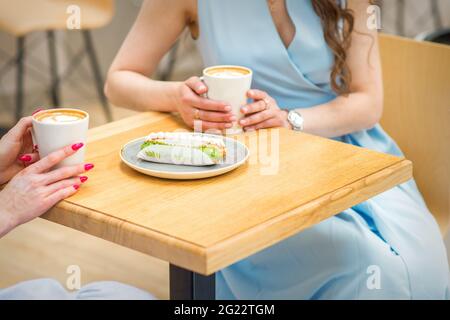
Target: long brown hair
338,24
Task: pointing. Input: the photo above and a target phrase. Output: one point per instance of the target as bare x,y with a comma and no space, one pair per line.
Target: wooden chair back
417,114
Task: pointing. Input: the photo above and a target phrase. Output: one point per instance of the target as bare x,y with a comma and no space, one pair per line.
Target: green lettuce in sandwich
194,149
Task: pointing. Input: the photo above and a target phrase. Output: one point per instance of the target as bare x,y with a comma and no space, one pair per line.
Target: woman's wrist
175,92
7,221
284,115
166,96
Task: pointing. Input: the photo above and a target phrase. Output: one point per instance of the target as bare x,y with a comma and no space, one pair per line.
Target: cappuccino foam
228,74
59,116
224,72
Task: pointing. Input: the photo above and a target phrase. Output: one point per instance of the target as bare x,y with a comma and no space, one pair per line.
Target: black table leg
188,285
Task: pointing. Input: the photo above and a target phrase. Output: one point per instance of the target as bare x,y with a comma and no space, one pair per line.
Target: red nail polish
77,146
83,179
36,111
76,187
88,166
35,147
25,158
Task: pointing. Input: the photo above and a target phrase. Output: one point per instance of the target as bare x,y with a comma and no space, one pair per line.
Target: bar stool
21,17
441,36
419,17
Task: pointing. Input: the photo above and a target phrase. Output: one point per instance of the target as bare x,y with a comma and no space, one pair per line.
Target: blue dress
388,247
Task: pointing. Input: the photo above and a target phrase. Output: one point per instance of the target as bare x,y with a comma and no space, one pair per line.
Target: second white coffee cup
229,84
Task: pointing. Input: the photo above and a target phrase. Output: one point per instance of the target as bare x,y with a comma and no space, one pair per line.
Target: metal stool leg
401,17
20,57
97,74
53,62
435,11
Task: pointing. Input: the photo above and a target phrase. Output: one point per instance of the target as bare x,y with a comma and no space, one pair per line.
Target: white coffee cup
229,84
56,128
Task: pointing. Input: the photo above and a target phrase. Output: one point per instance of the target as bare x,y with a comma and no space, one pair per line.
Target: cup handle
205,95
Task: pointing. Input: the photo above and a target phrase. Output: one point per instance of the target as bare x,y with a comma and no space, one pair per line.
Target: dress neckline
273,27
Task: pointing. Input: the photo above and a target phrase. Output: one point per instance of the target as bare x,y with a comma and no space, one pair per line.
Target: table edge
127,234
305,216
208,260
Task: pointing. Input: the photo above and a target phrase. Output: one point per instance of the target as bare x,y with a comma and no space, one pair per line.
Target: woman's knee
39,289
111,290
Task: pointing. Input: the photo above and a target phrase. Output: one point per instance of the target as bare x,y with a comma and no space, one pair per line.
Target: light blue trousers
50,289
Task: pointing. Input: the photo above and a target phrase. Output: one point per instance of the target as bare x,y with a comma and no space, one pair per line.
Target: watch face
296,120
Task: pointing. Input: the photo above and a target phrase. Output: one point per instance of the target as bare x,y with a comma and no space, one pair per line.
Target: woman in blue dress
317,57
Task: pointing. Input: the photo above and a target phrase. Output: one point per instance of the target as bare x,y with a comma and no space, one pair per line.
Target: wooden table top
206,225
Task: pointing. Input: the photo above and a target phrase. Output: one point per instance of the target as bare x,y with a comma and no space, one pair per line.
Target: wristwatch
296,120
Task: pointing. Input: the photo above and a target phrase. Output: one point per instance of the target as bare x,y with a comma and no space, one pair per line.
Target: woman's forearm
135,91
343,115
5,224
6,220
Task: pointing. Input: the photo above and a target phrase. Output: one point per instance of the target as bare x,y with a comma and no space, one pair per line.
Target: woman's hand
16,150
193,107
35,189
263,112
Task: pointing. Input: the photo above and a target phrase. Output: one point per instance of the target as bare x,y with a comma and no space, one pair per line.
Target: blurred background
66,68
409,18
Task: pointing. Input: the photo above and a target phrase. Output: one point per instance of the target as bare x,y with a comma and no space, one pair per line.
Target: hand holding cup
194,107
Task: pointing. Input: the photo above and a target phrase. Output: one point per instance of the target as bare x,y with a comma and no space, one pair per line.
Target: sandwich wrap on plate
185,148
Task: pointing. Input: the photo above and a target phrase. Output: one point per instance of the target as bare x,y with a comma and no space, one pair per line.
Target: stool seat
20,17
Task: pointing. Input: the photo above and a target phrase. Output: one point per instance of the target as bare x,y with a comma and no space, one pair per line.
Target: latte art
227,72
59,116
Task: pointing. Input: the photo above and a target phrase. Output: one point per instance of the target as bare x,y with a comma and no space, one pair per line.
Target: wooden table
202,226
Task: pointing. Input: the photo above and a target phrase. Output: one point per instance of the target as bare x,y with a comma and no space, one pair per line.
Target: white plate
237,154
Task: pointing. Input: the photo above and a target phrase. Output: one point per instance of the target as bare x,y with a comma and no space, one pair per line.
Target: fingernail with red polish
83,179
35,147
77,146
25,158
36,111
88,166
76,187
